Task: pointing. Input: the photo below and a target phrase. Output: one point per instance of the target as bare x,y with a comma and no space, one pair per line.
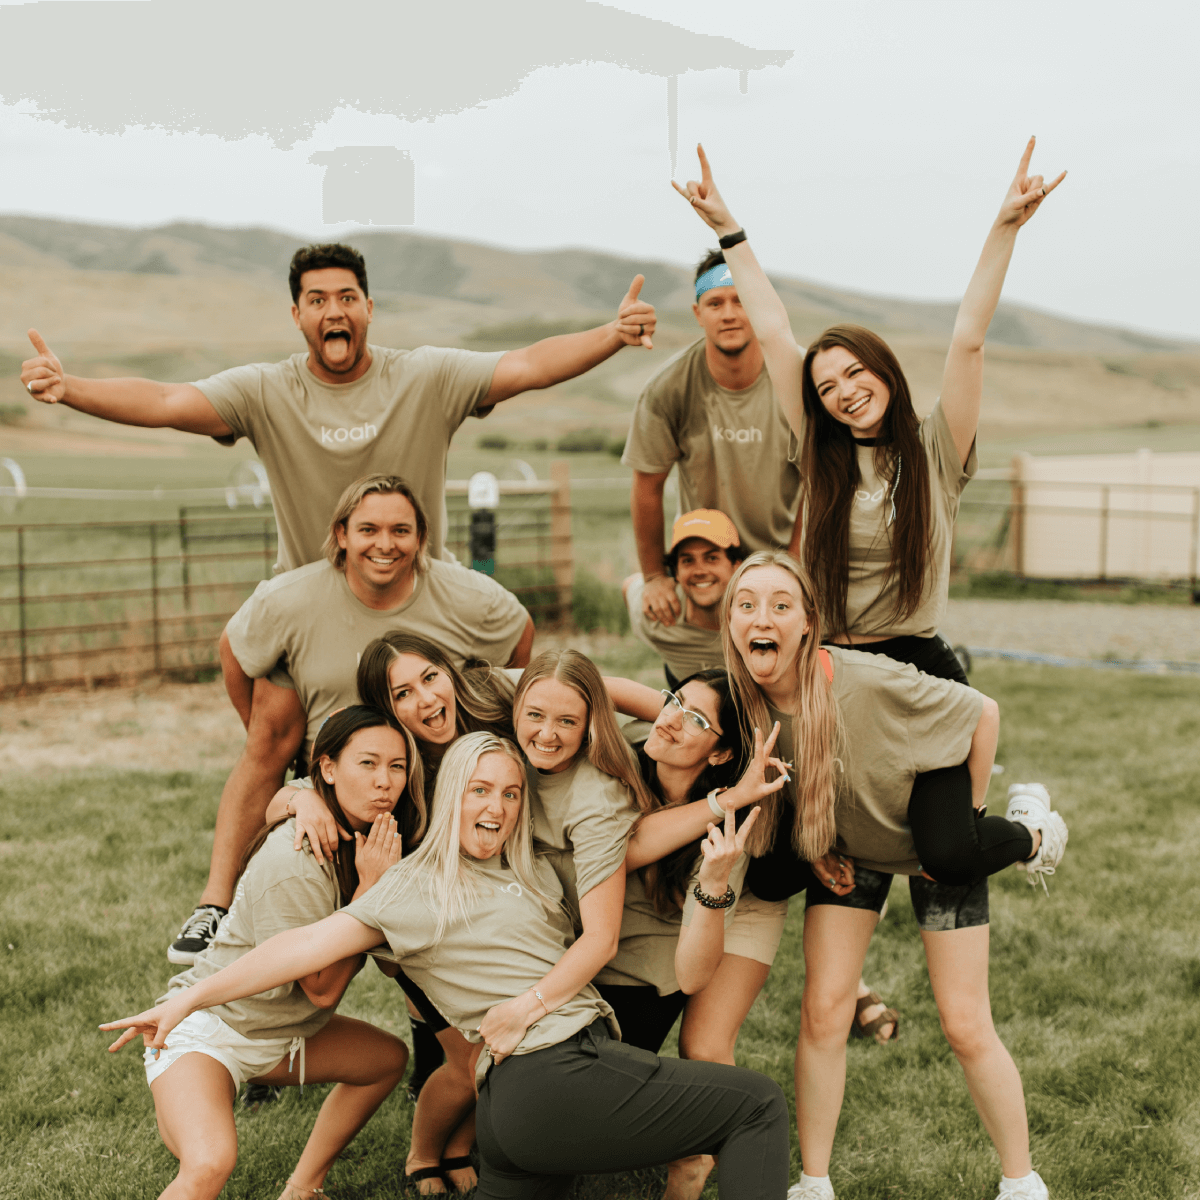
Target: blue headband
714,277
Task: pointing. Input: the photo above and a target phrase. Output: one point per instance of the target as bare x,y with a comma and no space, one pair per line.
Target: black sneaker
255,1095
198,930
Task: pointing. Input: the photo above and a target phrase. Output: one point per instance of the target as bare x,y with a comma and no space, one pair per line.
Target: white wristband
718,809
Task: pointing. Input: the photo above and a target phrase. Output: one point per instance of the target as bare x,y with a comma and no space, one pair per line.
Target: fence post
154,594
21,603
1104,501
560,536
1194,548
184,570
1017,508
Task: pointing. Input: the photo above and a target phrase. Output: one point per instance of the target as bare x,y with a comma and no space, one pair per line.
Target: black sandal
423,1173
460,1163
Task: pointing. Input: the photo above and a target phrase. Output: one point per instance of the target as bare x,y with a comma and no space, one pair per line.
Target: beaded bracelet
726,901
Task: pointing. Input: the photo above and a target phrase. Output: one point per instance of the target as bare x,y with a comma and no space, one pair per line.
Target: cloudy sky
870,148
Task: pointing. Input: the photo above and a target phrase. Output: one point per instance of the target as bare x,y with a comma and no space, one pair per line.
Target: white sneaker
1032,1187
811,1191
1029,805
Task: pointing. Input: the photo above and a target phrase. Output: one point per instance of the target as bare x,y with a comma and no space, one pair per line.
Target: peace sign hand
706,200
754,785
1026,192
721,851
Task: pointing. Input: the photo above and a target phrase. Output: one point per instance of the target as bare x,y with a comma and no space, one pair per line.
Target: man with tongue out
344,409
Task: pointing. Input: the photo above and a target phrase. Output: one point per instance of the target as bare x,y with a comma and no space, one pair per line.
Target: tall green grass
1096,988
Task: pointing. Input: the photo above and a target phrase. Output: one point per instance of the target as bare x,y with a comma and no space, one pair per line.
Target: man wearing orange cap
705,549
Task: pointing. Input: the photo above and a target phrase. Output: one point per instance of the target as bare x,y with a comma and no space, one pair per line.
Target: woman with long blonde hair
859,727
477,920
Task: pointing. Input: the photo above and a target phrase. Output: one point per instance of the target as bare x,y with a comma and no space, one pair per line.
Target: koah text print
356,433
736,435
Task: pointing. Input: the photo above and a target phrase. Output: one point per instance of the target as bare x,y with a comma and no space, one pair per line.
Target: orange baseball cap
706,523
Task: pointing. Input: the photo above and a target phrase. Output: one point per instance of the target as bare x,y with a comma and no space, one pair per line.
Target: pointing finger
634,288
39,343
705,169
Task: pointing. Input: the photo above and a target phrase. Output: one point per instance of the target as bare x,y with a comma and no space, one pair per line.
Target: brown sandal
889,1016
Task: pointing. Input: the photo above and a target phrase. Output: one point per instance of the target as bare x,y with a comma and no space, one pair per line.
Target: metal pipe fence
96,602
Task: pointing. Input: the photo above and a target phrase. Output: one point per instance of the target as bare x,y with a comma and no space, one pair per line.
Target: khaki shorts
756,928
203,1032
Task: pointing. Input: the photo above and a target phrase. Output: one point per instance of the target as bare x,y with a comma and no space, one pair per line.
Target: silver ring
832,880
29,388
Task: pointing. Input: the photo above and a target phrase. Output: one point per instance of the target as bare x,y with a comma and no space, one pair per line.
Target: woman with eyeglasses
880,492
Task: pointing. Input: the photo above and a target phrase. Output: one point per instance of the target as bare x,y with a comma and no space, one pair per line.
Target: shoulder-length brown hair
483,698
603,744
816,722
829,471
332,739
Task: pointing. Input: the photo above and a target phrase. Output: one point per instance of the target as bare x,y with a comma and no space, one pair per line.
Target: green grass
1096,990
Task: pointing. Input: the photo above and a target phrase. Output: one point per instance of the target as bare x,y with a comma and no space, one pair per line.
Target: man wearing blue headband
711,410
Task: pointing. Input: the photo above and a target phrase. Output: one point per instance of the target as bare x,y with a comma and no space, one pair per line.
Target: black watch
731,239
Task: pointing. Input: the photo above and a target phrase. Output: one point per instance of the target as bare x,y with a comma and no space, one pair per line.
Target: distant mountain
557,286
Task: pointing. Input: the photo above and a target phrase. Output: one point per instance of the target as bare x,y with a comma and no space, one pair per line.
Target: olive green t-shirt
281,889
646,953
685,648
315,438
898,722
735,450
311,620
869,603
581,821
507,942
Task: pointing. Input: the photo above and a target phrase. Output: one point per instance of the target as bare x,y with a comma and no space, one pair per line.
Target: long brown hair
829,470
331,741
483,698
816,722
606,749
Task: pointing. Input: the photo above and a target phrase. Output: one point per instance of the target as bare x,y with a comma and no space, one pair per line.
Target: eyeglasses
672,702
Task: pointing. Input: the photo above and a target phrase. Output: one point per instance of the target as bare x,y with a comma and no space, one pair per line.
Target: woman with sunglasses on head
477,920
367,772
859,728
880,491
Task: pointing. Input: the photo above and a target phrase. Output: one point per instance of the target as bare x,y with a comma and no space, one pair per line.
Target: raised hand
1026,192
43,376
706,200
376,852
754,785
635,318
721,850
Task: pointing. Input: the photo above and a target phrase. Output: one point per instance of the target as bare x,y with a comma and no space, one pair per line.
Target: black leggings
644,1016
591,1105
953,844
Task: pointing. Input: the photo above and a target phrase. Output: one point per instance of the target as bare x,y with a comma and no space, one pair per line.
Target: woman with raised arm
880,491
478,923
859,728
364,767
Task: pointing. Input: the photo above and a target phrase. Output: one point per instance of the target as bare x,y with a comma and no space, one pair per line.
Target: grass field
1096,989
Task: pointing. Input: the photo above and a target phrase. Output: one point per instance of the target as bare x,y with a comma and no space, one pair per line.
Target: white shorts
244,1058
756,928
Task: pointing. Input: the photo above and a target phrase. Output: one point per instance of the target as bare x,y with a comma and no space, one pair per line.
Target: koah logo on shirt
356,433
736,435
